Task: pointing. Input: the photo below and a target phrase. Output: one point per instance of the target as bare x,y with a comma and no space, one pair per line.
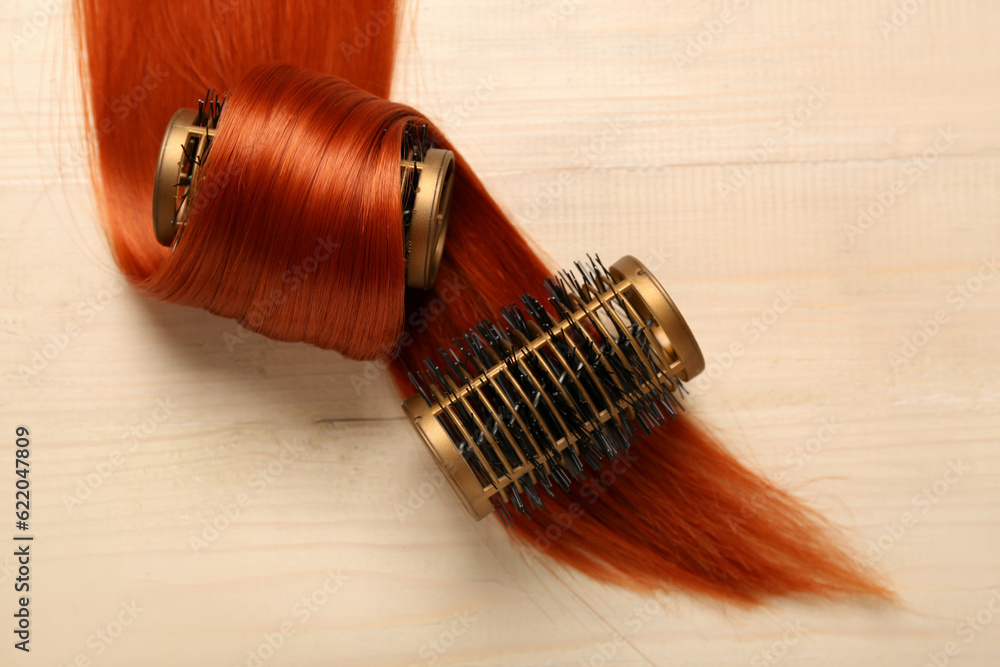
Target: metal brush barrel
426,178
427,175
535,403
185,145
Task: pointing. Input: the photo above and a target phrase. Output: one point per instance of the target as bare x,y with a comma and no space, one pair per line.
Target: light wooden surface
147,428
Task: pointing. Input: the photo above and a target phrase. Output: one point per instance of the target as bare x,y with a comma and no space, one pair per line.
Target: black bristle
596,382
529,490
419,385
561,477
516,499
573,463
546,482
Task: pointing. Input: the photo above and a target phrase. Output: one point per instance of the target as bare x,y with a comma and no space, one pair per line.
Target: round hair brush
570,414
552,392
426,176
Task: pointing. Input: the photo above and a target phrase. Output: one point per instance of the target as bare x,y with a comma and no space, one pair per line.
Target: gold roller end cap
184,146
429,221
677,346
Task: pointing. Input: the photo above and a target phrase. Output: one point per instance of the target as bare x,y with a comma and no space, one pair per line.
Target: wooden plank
755,154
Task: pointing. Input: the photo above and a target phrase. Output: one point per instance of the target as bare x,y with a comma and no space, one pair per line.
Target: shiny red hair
307,156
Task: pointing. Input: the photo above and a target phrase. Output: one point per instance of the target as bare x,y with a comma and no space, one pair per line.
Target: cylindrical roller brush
570,414
553,392
426,175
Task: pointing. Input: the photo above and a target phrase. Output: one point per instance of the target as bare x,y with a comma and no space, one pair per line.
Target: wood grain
729,144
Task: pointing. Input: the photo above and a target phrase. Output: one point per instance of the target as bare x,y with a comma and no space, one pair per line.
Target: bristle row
551,391
416,142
